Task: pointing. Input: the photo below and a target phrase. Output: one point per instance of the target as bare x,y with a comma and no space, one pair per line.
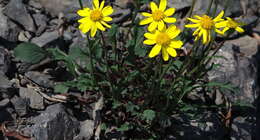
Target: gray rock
4,60
21,105
238,68
202,5
17,11
243,128
41,22
8,30
4,103
67,7
205,125
40,78
35,100
6,88
45,38
86,130
54,124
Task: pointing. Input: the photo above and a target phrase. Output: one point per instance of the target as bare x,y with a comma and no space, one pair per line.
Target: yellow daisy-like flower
232,24
164,40
205,25
95,18
159,16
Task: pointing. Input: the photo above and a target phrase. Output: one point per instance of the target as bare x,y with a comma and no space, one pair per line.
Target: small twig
14,134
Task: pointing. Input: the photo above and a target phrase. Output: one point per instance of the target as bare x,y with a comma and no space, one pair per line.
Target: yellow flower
232,24
164,40
159,16
95,18
205,25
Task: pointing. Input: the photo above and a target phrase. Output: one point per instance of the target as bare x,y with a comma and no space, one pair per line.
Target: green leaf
124,127
29,52
60,88
148,115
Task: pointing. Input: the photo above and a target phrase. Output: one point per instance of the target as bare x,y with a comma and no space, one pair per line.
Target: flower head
232,24
164,41
95,18
159,16
205,24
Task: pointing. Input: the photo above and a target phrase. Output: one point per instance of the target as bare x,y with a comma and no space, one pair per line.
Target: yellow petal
146,21
96,4
153,6
102,5
221,24
155,50
108,10
150,36
85,27
163,5
85,12
152,26
146,14
84,20
192,25
173,31
169,12
198,17
172,52
176,44
205,35
107,19
219,32
219,17
93,31
225,29
105,24
239,29
161,25
100,26
169,20
165,54
149,42
196,31
193,20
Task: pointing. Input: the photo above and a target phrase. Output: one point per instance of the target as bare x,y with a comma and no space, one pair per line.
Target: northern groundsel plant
95,18
232,24
205,25
164,41
159,16
141,94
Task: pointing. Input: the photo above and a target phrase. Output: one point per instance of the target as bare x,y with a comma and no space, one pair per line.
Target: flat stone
35,100
248,46
45,38
21,105
17,11
86,130
40,78
238,67
67,7
4,103
8,30
54,124
5,60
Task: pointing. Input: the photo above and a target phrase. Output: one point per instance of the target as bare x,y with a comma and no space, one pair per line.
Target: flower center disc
163,39
206,22
96,15
158,15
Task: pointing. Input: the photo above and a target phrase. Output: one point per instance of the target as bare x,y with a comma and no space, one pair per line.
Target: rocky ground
29,110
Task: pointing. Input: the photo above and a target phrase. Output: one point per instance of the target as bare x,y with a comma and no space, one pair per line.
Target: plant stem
192,7
91,61
80,4
209,7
